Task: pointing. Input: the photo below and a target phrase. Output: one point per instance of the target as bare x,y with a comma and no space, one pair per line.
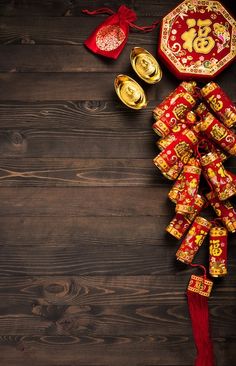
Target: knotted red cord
126,14
98,11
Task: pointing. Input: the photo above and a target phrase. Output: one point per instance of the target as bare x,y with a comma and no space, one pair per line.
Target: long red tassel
199,289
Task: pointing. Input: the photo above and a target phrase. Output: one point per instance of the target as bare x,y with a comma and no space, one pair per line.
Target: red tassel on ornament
198,291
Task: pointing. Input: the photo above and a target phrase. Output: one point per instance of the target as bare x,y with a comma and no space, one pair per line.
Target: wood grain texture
60,172
68,350
68,86
61,30
88,276
73,8
106,290
107,115
77,230
80,86
99,201
79,259
113,320
61,58
77,143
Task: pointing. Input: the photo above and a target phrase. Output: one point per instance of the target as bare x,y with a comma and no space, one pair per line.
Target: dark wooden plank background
87,273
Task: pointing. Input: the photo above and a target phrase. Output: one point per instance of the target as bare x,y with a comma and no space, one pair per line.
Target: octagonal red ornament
198,39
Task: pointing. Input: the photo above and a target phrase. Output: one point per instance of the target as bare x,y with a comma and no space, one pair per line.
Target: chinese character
199,41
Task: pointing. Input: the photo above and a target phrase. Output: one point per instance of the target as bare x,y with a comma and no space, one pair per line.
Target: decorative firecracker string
195,143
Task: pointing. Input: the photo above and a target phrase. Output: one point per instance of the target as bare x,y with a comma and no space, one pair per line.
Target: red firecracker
184,87
224,210
181,223
218,251
220,103
217,177
193,240
181,104
176,189
220,134
177,151
191,179
174,135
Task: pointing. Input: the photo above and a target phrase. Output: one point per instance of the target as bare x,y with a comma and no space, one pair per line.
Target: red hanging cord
98,11
145,28
200,266
123,10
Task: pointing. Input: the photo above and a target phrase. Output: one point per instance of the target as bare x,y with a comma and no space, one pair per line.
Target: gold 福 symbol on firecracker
199,285
199,41
218,132
215,103
182,151
215,247
230,116
179,110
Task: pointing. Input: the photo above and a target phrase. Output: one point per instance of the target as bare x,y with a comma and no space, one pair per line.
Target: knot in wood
17,138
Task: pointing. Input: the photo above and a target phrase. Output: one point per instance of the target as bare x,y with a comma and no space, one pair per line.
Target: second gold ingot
145,65
130,92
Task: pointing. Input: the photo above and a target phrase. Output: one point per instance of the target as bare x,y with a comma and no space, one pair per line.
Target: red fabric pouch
110,37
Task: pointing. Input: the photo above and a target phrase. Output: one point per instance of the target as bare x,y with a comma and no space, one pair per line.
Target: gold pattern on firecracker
220,180
161,108
145,65
218,131
200,285
230,117
193,240
208,88
218,251
220,103
224,210
201,110
130,92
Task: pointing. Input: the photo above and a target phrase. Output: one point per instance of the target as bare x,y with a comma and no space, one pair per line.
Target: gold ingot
145,65
130,92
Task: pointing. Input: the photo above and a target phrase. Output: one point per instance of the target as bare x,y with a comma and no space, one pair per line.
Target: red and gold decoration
189,87
181,104
194,126
191,179
218,251
221,135
194,145
197,39
217,176
110,37
224,210
189,153
198,292
193,240
220,103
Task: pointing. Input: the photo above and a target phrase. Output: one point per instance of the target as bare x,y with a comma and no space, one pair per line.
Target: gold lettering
188,37
199,41
216,103
215,248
